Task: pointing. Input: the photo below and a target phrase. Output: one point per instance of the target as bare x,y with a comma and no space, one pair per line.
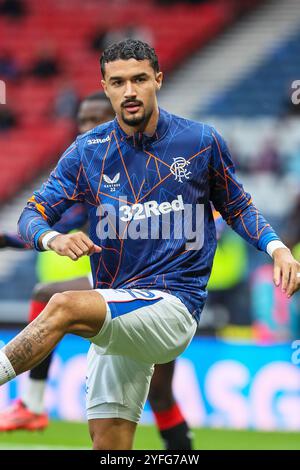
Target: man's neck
147,128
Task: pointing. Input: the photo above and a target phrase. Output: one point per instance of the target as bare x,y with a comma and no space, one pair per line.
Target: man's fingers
71,255
286,271
87,249
277,275
82,246
92,247
82,238
96,249
76,250
74,245
288,268
294,281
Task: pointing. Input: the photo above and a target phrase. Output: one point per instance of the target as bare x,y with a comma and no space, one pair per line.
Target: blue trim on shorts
121,308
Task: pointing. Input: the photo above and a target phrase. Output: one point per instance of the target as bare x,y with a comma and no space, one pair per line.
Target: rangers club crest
179,170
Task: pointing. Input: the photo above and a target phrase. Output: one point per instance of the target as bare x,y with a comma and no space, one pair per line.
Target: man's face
131,86
92,114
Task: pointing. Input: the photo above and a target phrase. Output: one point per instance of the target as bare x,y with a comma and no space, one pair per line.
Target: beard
141,120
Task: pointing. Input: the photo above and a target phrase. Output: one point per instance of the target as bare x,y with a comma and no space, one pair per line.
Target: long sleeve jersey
73,218
149,205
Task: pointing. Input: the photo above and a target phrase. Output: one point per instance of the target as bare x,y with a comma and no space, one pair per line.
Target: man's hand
286,269
73,245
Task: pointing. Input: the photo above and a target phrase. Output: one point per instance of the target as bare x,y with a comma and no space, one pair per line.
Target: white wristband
47,238
273,245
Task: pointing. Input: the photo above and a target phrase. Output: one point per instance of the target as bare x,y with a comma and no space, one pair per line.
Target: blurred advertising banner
217,383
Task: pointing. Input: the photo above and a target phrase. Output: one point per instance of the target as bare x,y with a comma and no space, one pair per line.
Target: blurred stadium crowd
49,60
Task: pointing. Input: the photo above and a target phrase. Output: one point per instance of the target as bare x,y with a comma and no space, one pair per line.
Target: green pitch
64,435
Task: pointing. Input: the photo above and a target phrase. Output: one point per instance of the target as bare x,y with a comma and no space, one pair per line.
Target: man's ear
159,80
103,83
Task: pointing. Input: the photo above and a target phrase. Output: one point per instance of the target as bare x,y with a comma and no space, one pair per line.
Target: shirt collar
139,139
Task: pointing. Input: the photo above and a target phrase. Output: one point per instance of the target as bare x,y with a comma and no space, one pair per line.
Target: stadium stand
229,69
267,85
37,140
218,67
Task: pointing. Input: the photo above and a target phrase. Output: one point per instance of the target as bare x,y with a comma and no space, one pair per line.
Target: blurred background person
8,119
45,64
9,68
14,9
66,101
107,34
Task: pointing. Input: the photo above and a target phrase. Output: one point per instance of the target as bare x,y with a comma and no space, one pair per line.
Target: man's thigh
86,310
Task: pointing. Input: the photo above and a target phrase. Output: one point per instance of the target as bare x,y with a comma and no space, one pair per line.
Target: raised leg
81,313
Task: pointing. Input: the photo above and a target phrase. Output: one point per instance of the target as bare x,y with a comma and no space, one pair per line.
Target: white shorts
142,328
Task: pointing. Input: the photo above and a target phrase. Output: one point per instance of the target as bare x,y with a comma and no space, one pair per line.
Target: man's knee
120,442
101,443
107,443
61,306
112,434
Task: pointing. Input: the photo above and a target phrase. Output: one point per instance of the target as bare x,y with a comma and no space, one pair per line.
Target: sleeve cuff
47,238
273,245
265,239
37,236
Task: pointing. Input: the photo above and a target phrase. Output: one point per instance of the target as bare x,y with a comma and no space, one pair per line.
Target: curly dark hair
129,49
